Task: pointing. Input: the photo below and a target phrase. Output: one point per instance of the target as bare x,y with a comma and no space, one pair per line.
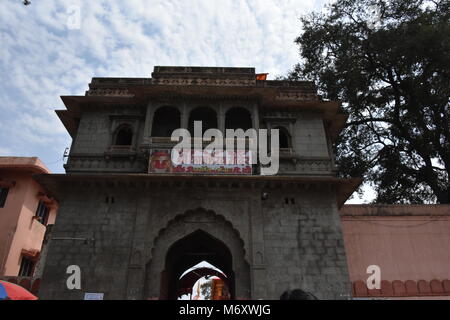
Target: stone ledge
379,210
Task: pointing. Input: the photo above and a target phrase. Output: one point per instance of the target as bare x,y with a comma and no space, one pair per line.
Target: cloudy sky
52,48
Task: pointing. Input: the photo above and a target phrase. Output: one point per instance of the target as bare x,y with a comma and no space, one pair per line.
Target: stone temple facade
133,224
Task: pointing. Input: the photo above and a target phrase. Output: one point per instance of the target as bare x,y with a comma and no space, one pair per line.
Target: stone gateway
134,224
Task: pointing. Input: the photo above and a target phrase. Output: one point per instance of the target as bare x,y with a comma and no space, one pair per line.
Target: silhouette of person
297,294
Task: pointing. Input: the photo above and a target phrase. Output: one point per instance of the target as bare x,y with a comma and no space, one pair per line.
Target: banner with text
201,162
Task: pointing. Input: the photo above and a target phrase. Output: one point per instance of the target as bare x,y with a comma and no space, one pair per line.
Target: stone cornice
54,182
368,211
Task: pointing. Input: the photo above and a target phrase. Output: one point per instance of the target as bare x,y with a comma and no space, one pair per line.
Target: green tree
389,63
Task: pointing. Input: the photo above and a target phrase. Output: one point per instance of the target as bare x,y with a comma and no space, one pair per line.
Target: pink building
25,213
410,244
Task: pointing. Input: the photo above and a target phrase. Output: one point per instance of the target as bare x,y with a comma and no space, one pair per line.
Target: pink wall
19,232
408,242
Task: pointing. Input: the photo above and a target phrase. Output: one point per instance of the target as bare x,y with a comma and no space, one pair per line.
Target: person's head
297,294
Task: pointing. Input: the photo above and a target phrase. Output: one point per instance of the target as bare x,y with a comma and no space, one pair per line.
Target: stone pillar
136,266
184,116
148,122
221,119
255,116
292,136
258,265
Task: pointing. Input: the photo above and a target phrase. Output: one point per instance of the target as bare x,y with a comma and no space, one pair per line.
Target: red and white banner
201,162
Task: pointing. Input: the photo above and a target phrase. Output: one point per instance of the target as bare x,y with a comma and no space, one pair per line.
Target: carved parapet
203,81
84,162
313,165
109,92
109,161
167,141
121,149
296,96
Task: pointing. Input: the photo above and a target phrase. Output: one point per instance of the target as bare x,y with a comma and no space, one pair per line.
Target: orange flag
261,76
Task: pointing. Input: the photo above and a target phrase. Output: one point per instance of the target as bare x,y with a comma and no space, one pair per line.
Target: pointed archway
191,238
194,248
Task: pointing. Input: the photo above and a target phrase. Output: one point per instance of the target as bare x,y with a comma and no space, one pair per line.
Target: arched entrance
188,239
190,284
197,247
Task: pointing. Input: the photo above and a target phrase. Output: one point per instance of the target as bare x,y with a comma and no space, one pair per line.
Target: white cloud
41,59
368,196
5,152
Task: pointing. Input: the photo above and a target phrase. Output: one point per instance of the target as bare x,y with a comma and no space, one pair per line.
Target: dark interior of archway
283,138
165,121
238,118
197,247
124,136
208,117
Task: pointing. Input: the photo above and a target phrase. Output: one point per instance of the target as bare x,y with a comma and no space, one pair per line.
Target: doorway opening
195,262
203,282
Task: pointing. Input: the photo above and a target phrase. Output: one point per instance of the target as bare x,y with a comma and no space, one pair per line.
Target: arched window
208,117
284,138
124,136
238,118
165,121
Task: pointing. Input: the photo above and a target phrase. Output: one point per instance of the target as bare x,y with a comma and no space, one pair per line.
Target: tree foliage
389,63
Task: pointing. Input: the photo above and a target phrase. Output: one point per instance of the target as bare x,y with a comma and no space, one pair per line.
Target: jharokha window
124,136
285,138
42,213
